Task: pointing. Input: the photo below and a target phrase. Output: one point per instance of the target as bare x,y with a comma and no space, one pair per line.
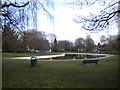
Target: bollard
33,61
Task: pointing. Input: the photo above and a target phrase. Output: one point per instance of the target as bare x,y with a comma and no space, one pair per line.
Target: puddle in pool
73,56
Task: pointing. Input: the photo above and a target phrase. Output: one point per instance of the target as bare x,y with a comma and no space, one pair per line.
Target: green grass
27,54
60,74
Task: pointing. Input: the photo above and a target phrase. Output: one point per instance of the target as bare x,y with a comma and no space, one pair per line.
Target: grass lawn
27,54
59,74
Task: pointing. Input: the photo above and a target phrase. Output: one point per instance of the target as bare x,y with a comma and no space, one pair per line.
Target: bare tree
51,37
112,44
65,45
99,21
103,40
9,39
89,43
33,40
80,44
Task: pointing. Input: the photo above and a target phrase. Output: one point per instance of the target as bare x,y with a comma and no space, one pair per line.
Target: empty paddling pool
76,56
67,57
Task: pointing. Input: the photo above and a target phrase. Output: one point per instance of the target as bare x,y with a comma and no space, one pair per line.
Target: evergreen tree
9,39
55,46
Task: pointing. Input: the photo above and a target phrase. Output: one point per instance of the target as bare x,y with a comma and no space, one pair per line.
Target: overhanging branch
14,5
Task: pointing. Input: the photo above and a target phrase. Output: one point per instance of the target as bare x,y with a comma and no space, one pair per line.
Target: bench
90,61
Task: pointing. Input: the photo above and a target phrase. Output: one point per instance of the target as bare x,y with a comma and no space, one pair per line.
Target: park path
49,57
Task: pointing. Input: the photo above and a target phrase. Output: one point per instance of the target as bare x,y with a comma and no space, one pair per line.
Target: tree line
25,41
106,45
110,44
32,40
80,44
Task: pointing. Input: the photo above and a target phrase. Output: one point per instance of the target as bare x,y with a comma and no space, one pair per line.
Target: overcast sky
64,27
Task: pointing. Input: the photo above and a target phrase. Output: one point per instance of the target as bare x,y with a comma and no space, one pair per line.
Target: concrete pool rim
63,54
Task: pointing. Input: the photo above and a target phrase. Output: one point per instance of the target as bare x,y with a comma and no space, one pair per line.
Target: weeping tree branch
45,10
18,14
10,14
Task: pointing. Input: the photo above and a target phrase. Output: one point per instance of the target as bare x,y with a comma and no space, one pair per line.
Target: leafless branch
14,5
95,22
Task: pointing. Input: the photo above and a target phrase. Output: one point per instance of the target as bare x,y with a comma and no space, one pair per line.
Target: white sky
64,27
